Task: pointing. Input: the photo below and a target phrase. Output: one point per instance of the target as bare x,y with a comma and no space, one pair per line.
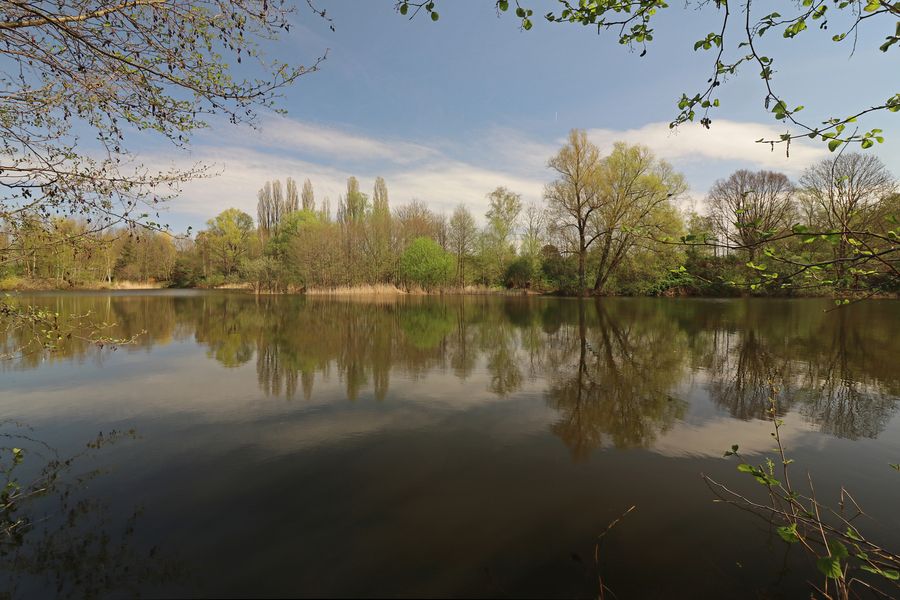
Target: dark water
448,447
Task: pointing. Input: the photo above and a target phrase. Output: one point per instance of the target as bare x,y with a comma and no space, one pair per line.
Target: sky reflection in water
474,446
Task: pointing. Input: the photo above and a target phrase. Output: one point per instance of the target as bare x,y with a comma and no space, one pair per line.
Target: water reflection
611,368
612,377
56,537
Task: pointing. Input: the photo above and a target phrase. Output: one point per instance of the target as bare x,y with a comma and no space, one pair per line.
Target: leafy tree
504,207
352,211
519,273
379,234
574,196
314,254
264,272
353,206
228,240
80,76
425,264
76,68
561,272
636,190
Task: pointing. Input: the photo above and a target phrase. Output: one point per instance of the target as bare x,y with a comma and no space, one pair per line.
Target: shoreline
385,290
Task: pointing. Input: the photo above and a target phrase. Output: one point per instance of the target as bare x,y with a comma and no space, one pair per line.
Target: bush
519,273
185,273
425,264
560,272
11,282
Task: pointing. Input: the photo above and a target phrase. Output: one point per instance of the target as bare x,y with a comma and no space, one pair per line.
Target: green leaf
834,144
788,533
503,5
872,6
830,567
886,573
404,8
435,16
838,549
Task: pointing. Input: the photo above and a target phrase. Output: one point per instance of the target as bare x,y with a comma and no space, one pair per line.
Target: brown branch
59,20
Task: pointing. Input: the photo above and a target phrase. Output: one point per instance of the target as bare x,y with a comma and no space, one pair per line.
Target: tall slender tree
380,232
307,197
292,198
462,237
502,215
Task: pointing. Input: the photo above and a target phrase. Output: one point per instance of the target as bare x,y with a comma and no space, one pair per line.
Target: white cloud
442,183
515,150
317,141
240,173
455,172
725,141
447,183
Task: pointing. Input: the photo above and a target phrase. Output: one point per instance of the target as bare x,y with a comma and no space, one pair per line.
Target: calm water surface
471,446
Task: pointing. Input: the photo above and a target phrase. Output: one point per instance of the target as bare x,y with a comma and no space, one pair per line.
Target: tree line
609,224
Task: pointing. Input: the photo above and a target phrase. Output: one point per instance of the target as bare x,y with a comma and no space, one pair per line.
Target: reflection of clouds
610,372
192,389
713,436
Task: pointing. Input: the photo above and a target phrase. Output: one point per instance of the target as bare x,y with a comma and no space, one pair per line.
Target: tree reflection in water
612,378
610,367
57,539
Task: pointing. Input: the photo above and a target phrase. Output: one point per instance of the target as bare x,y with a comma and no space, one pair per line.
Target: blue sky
448,110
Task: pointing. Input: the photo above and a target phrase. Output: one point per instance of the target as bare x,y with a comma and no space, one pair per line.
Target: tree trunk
582,251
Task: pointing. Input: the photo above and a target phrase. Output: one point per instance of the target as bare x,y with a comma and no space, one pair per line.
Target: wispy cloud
733,141
318,142
446,175
442,183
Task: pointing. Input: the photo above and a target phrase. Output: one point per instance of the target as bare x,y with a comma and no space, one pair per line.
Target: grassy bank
21,284
392,290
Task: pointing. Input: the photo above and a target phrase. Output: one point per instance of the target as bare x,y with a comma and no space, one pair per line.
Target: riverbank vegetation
609,224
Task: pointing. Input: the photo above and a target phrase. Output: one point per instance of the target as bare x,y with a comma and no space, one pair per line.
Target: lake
461,446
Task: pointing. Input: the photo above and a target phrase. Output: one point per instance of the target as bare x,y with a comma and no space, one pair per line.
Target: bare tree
307,197
292,198
462,237
751,206
845,195
533,231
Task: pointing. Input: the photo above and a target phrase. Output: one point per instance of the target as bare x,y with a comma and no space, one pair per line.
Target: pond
447,446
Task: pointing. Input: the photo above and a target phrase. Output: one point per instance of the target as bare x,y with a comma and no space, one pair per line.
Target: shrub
519,273
424,263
